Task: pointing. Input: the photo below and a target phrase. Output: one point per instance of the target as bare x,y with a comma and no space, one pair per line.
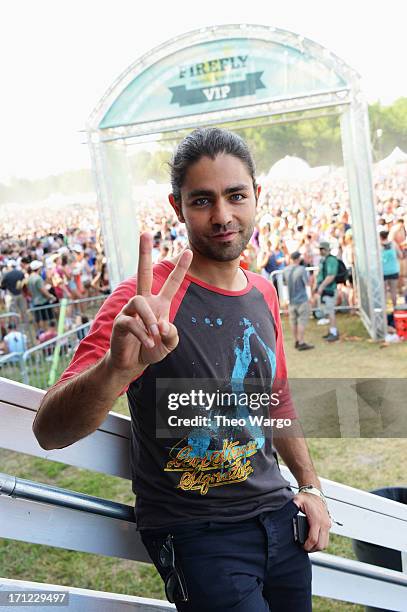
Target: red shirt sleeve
97,342
285,408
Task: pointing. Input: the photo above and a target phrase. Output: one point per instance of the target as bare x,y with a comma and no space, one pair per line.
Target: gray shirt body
35,284
296,278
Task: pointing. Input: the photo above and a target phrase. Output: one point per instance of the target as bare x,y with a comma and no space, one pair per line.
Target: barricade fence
21,322
33,366
277,279
26,321
84,306
9,317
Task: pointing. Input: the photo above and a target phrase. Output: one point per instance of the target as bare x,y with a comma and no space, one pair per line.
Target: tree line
317,140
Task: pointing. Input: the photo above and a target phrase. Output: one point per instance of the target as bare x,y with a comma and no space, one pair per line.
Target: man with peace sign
214,511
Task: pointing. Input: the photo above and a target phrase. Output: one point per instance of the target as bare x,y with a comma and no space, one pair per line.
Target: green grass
362,463
355,355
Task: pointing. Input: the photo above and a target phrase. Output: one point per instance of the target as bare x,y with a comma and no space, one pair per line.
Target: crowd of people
297,218
47,254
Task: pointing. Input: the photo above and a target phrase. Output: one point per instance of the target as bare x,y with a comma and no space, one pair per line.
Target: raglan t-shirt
220,472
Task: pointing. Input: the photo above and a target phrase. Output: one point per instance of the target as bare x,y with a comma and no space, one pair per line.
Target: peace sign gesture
142,333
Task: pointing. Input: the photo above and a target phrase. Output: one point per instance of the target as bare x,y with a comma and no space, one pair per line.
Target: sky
59,57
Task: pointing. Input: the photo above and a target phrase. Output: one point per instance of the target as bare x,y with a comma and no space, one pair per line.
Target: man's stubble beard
222,251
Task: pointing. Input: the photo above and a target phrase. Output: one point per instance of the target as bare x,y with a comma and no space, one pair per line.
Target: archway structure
228,74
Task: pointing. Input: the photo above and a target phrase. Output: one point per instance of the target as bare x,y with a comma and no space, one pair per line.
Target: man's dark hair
384,234
207,142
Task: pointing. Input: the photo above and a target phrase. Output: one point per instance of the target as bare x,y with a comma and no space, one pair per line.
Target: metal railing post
56,353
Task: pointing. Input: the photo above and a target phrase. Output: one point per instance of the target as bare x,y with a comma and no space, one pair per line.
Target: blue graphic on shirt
199,438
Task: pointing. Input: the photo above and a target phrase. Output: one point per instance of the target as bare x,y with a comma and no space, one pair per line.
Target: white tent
289,168
318,172
397,156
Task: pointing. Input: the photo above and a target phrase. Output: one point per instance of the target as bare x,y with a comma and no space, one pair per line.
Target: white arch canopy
228,74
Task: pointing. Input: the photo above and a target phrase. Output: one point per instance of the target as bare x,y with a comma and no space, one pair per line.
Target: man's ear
258,191
177,208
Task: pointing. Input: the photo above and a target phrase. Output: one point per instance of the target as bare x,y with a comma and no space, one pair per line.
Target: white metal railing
81,600
7,317
92,302
37,360
363,516
11,366
20,321
32,366
25,321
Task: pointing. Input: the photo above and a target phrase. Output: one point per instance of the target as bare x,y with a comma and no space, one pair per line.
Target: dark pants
250,566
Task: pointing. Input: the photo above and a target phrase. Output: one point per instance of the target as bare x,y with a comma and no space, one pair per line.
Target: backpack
342,274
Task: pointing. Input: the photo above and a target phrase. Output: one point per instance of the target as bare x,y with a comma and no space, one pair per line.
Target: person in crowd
64,269
391,254
164,252
296,278
13,282
398,235
348,255
248,258
40,296
101,281
81,271
49,333
81,320
326,288
14,341
273,260
263,259
156,247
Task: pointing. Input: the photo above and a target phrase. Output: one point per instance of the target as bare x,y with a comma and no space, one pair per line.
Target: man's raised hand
142,333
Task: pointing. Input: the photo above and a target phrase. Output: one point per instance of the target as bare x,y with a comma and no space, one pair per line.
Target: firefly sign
215,76
224,68
183,96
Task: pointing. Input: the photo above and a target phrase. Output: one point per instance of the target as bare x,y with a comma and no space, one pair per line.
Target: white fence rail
282,289
32,366
25,319
364,516
81,600
88,305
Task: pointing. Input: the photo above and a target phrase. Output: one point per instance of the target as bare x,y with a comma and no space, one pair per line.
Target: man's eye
237,197
200,202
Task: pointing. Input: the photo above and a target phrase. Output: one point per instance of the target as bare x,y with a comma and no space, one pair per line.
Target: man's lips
225,236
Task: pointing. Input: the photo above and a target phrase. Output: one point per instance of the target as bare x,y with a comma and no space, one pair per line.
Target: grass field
362,463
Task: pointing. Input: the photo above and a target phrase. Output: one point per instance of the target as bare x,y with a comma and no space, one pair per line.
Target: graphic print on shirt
229,462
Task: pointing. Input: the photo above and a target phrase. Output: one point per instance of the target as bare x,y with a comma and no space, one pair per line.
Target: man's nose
221,212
